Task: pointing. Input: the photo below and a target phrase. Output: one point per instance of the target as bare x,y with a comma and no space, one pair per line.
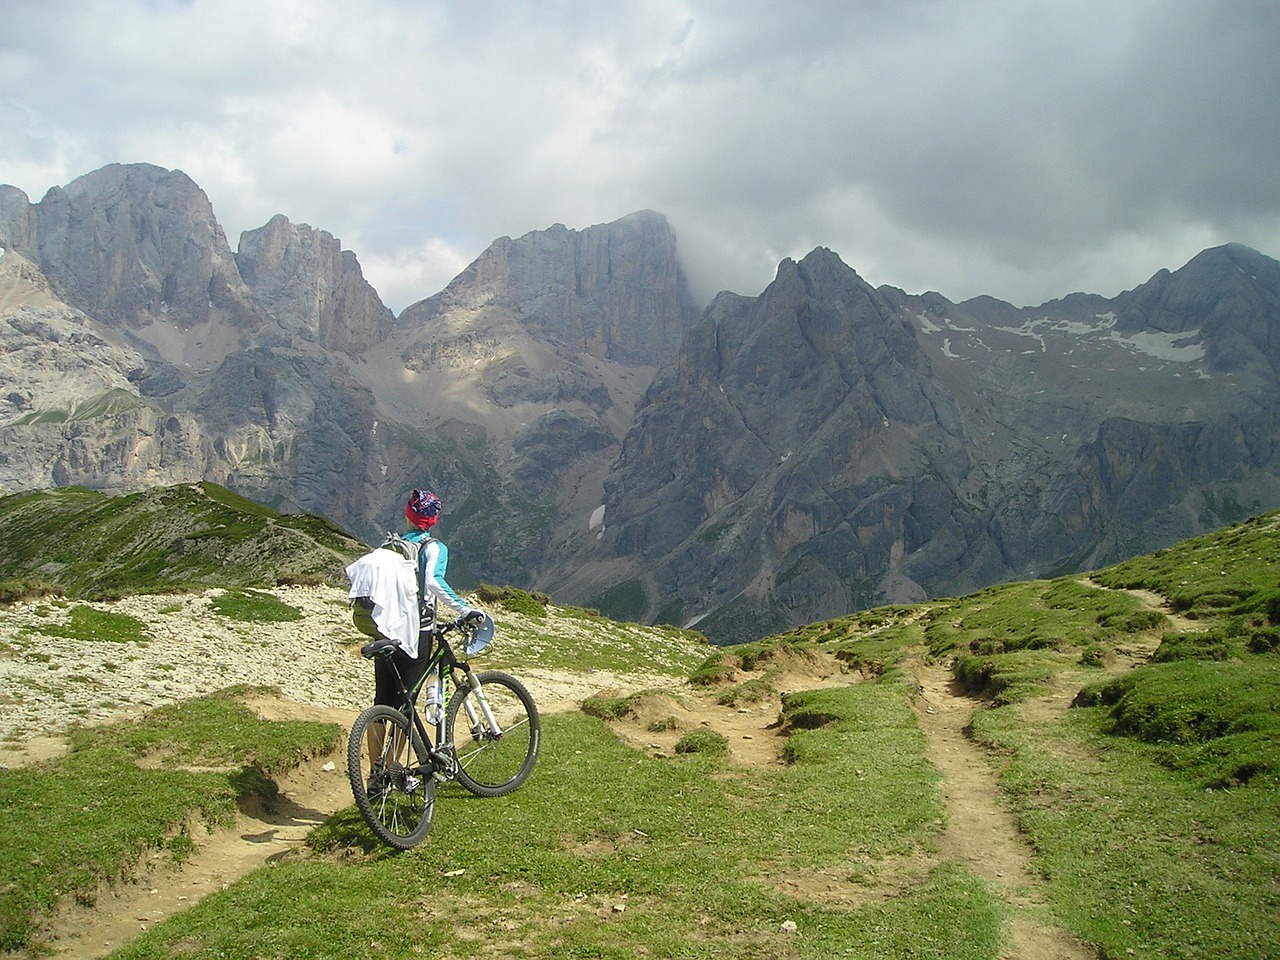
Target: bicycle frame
439,761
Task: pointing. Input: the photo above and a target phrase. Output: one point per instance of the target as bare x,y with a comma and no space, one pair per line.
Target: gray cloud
1024,150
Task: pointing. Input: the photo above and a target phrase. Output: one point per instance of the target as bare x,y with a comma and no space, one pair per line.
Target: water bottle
432,705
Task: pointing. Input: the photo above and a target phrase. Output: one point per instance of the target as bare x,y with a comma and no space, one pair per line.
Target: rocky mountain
821,447
828,446
138,350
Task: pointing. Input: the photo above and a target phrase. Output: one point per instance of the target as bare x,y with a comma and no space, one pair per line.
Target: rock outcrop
311,287
139,350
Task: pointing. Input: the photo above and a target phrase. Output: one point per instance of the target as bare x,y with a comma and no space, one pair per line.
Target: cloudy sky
1020,149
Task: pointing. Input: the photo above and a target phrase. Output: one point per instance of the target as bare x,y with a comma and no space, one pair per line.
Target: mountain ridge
823,446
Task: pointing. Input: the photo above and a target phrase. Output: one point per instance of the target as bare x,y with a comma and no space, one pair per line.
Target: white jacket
391,582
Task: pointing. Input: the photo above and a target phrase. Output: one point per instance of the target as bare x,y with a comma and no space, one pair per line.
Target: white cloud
967,146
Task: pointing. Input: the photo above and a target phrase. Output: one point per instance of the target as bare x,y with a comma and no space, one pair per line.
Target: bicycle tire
492,765
384,751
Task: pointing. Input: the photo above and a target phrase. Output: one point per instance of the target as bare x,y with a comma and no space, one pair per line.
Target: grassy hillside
86,544
1131,719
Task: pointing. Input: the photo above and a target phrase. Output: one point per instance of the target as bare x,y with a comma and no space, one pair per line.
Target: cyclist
422,513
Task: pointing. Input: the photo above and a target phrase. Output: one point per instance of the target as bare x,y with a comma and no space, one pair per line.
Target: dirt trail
308,796
981,832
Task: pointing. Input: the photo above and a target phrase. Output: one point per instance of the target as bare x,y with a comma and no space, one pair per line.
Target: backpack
410,550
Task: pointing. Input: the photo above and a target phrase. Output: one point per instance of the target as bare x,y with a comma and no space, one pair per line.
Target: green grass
1150,807
707,742
1235,570
1139,858
129,788
92,546
696,857
571,637
254,605
1216,722
87,623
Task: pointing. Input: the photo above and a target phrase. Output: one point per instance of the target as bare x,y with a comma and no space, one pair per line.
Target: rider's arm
435,559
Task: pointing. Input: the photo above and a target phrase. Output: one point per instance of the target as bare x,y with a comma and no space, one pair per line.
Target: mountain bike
485,737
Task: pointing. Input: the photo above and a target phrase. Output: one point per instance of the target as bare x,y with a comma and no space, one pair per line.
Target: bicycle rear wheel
493,757
394,794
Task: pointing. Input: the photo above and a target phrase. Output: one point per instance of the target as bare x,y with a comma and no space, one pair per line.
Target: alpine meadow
1081,766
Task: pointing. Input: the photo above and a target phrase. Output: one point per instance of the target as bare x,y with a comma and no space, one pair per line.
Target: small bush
1273,608
976,674
1094,655
518,601
720,667
514,599
605,707
255,606
1143,620
16,591
299,580
1191,646
703,741
753,691
1265,640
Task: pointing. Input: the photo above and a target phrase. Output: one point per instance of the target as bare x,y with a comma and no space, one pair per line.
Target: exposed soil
307,798
981,832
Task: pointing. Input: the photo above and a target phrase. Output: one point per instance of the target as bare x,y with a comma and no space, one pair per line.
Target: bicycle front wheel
394,794
496,748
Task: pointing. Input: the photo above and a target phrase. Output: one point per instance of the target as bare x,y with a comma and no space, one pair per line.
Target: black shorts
386,687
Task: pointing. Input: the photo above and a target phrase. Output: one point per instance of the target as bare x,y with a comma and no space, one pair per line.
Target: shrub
1143,620
514,599
703,741
15,591
518,601
1094,656
255,606
1273,608
605,707
720,667
299,580
1265,640
753,691
1191,646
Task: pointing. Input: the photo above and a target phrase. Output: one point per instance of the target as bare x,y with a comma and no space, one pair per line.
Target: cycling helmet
423,509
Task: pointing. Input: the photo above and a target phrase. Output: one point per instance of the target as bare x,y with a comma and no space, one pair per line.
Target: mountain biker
422,512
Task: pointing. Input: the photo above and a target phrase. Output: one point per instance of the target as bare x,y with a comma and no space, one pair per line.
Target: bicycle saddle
379,648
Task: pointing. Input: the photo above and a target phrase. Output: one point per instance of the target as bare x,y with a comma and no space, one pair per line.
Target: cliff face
311,287
613,292
140,351
133,244
827,446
